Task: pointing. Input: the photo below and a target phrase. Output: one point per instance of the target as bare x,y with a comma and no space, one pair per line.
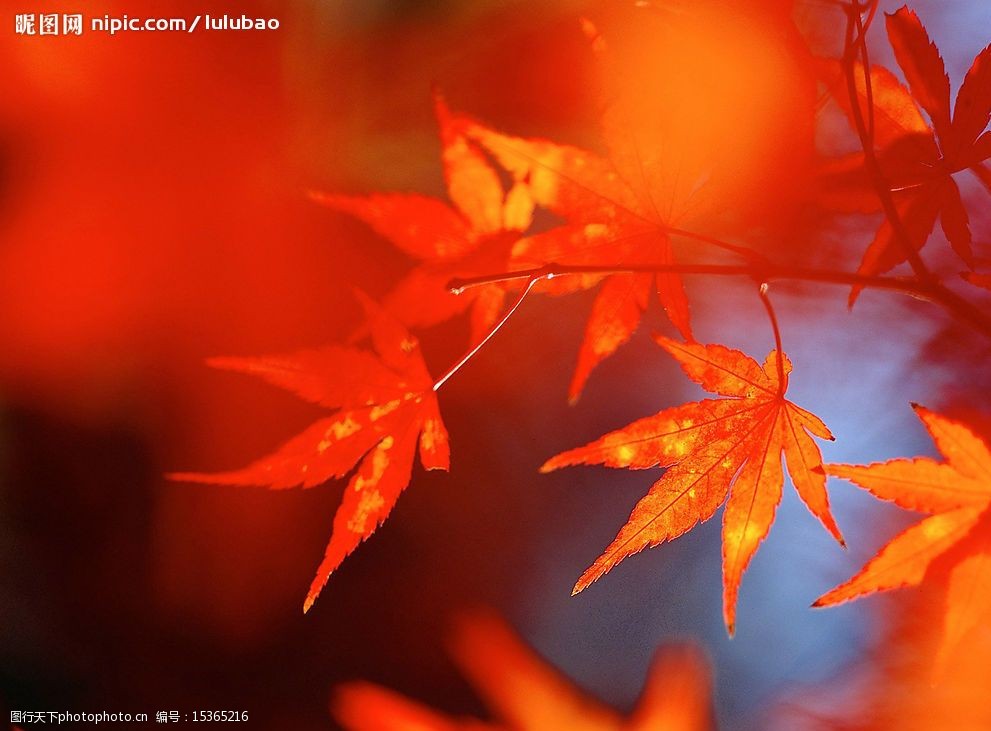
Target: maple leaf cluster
524,692
918,158
619,215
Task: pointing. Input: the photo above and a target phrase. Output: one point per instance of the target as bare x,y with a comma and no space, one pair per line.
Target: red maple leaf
385,407
620,208
978,280
710,446
472,237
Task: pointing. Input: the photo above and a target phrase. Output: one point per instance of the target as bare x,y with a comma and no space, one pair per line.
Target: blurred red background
153,213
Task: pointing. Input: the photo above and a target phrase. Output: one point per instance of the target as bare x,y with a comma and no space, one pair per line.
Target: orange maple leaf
524,693
917,157
622,207
710,446
473,237
957,492
894,686
386,406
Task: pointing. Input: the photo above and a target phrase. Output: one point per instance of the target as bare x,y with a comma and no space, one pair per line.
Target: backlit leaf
386,411
472,237
957,491
524,693
714,448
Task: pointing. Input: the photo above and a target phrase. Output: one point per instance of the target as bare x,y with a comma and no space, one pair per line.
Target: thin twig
861,44
881,184
488,336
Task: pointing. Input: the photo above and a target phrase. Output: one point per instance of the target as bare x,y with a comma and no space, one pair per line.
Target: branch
929,291
758,272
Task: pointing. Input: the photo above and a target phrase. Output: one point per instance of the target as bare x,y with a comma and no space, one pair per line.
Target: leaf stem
743,251
488,336
778,350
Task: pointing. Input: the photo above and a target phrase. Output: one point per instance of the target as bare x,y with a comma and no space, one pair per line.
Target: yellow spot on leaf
428,437
369,504
379,463
337,431
379,411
